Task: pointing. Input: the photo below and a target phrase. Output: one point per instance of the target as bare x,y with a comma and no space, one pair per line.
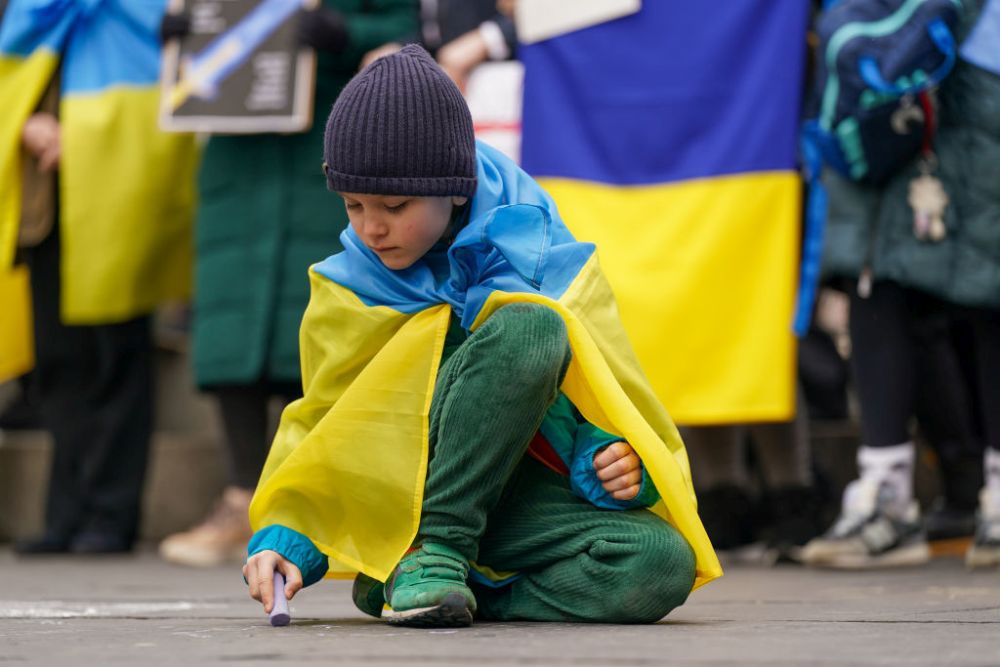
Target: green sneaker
428,589
369,595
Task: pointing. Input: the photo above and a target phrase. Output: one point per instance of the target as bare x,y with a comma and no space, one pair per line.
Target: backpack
872,111
877,64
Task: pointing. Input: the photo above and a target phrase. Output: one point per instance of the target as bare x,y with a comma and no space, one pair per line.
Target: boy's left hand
619,469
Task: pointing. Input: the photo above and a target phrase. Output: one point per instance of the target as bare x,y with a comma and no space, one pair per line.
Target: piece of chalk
279,612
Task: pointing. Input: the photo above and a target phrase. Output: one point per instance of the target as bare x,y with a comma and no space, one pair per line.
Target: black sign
238,70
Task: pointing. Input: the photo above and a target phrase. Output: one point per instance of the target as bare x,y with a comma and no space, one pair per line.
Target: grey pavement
137,610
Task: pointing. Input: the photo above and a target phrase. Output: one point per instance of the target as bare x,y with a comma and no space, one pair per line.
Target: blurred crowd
895,443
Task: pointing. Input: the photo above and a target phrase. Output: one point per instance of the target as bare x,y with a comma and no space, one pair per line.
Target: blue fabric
104,43
812,241
576,441
713,86
294,547
481,579
514,241
32,24
982,48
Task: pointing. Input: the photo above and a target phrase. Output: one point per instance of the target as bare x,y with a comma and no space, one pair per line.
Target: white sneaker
985,548
870,532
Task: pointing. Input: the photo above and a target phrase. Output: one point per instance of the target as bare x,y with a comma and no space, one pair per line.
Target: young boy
449,356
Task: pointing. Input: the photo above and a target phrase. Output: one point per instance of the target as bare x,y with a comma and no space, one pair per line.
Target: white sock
991,476
893,466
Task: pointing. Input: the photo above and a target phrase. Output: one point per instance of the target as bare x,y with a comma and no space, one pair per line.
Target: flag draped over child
126,190
668,138
347,466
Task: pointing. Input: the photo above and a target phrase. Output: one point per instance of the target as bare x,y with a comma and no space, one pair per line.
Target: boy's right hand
259,573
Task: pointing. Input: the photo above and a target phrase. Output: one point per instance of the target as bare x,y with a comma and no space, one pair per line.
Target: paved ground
138,611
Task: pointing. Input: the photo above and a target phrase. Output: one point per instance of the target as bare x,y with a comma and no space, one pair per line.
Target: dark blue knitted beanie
401,127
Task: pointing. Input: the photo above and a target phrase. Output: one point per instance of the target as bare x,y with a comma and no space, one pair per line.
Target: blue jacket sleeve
294,547
577,441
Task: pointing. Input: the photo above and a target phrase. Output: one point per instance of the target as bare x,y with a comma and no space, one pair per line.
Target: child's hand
259,573
619,469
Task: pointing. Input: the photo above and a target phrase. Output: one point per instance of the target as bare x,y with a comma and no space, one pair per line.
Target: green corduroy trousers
504,510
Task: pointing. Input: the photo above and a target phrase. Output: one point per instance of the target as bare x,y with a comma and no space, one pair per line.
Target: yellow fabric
127,200
127,194
17,351
704,272
22,83
607,385
351,476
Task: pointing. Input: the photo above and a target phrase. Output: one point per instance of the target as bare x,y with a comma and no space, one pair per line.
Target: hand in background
375,54
40,136
619,469
461,55
506,7
174,26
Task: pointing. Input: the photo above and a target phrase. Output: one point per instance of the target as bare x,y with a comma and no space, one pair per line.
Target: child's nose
375,227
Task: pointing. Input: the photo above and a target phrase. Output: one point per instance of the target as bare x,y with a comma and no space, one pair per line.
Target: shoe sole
194,557
915,554
982,558
452,612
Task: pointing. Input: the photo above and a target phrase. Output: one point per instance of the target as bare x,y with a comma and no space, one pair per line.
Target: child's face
399,229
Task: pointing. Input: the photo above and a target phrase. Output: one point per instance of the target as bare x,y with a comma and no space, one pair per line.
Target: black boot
49,543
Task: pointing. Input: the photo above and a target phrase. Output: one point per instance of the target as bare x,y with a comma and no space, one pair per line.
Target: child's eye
351,206
397,208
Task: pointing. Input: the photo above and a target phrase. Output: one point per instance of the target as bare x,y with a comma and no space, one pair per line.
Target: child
462,328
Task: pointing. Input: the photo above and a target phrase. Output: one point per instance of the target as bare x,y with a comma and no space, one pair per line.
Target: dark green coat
265,216
875,227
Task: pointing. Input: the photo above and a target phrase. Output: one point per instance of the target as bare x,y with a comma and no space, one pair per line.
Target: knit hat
401,127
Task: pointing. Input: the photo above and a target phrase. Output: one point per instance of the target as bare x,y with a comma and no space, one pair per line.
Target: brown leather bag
38,190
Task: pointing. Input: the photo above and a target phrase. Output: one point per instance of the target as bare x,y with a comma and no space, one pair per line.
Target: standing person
461,34
263,218
909,286
119,246
455,357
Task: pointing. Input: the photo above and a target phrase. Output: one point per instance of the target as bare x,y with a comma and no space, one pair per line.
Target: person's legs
577,562
945,411
879,522
244,412
490,398
223,535
120,397
93,385
62,362
791,503
721,478
985,550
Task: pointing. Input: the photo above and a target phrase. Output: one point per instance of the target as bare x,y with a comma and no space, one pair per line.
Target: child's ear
459,201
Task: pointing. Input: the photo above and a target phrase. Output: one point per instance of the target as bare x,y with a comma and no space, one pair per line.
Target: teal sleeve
577,441
294,547
583,476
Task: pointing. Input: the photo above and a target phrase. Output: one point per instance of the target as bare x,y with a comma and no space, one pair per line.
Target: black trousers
94,388
906,364
244,411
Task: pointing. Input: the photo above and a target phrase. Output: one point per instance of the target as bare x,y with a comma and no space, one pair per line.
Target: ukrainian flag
348,463
668,138
126,190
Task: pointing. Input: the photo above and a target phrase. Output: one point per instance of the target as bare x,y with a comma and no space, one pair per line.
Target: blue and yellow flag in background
126,190
668,138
